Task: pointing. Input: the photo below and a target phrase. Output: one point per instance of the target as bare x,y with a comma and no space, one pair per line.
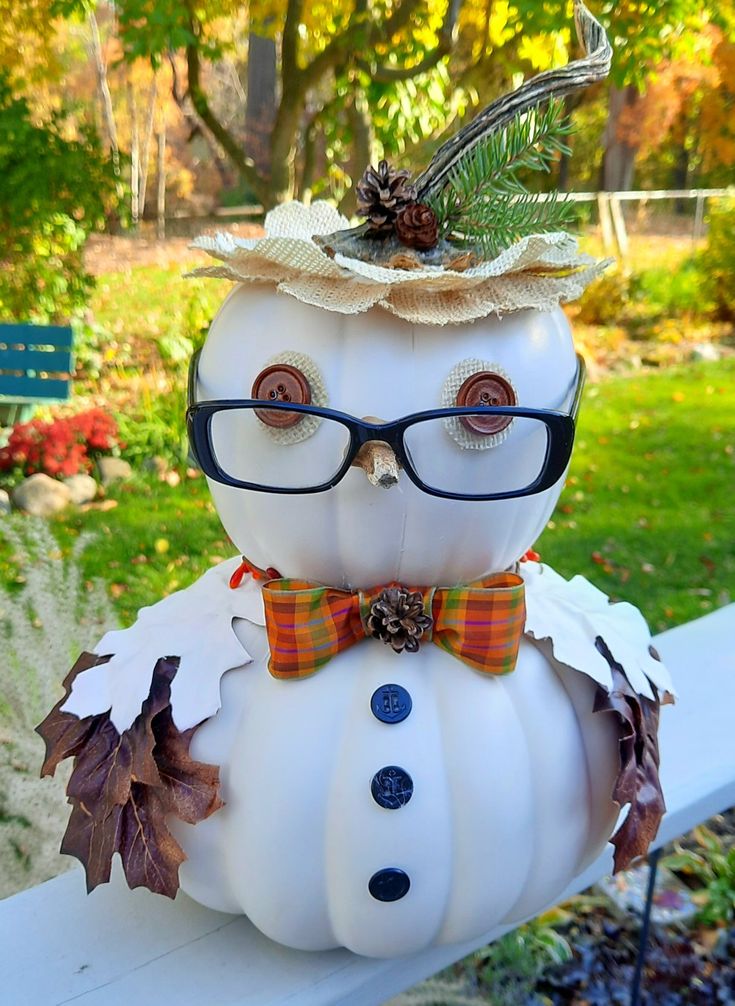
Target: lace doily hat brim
538,272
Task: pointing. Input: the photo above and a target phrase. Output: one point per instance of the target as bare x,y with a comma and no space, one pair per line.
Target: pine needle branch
507,219
484,203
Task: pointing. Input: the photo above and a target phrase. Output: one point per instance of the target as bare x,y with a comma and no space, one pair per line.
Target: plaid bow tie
481,623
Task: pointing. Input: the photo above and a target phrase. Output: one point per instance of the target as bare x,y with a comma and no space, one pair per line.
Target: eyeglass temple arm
191,387
581,378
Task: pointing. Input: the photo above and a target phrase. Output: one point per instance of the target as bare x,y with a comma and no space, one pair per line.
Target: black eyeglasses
438,449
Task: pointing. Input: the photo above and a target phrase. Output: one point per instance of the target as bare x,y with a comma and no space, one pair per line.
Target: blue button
391,704
392,787
389,885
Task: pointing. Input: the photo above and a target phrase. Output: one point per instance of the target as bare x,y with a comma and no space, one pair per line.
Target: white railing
612,220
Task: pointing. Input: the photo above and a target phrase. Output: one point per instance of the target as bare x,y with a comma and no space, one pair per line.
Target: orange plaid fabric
480,623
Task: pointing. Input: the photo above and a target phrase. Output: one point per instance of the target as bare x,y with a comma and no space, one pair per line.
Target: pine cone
417,227
397,617
382,193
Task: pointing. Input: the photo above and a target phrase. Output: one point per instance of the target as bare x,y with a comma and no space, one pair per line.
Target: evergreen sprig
485,205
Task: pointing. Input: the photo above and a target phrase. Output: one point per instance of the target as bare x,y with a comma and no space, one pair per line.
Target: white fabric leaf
194,625
573,613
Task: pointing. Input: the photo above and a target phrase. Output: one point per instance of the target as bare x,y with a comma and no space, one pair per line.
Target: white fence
612,220
609,207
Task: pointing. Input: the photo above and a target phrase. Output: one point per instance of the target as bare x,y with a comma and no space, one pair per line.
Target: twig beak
379,462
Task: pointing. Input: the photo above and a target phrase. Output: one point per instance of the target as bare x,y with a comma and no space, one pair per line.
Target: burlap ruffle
538,272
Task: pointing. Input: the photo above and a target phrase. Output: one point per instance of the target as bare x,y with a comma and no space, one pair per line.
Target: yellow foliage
544,51
28,41
718,127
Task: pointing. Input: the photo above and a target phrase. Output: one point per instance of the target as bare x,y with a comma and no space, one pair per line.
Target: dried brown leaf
150,855
638,782
93,840
64,734
192,787
122,786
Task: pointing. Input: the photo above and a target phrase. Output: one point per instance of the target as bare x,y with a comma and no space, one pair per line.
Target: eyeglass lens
448,454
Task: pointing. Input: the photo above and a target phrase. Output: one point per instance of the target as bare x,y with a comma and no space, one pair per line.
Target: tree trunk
145,156
681,172
571,103
134,156
260,111
103,87
358,116
618,166
283,147
308,169
231,145
161,193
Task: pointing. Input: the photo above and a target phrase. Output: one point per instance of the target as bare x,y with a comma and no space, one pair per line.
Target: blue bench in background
36,365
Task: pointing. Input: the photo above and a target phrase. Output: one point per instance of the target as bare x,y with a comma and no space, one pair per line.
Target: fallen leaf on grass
102,505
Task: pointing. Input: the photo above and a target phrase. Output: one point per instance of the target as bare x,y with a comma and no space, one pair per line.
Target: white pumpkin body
512,779
511,775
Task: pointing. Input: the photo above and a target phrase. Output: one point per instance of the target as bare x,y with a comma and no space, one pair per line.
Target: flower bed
60,447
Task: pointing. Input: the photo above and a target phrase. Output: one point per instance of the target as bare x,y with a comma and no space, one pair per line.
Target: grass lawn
648,512
649,509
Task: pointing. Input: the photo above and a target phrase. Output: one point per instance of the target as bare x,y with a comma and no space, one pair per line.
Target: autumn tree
290,98
323,47
646,37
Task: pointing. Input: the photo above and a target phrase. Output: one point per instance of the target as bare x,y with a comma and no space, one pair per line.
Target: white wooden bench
117,947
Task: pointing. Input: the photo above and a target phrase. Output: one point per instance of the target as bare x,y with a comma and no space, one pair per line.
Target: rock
4,502
706,351
41,496
83,488
157,465
113,470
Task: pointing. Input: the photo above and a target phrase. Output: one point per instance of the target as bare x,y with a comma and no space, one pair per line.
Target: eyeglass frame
560,441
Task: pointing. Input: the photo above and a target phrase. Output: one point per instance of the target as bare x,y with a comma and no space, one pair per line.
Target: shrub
719,256
157,428
61,447
685,293
45,622
711,870
605,301
53,193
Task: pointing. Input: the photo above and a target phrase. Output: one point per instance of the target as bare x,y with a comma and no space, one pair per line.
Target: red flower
59,447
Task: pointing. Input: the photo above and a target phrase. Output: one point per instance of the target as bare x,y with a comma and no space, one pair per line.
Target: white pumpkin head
376,365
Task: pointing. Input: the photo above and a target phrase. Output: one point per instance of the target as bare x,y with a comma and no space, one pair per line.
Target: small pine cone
382,193
417,227
397,617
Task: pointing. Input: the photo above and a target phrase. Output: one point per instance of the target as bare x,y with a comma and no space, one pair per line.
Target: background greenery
231,102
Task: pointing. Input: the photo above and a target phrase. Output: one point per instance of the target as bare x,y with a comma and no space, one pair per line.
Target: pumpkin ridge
599,837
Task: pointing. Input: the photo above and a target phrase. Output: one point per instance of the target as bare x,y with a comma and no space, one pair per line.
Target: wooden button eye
281,383
482,390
